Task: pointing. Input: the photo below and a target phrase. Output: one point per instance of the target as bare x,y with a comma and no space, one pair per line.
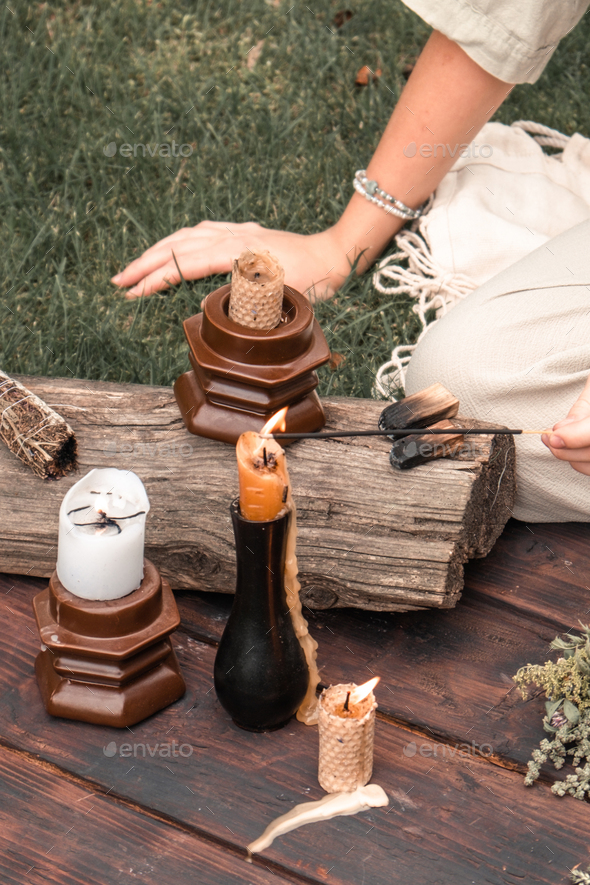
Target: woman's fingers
571,435
572,455
157,256
193,265
160,257
570,440
316,265
180,241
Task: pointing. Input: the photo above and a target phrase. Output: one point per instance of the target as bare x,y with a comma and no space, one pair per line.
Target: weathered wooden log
369,536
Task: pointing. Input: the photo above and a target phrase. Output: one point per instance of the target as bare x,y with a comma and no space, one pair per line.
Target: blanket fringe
423,280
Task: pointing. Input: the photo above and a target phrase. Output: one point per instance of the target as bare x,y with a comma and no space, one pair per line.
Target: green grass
277,144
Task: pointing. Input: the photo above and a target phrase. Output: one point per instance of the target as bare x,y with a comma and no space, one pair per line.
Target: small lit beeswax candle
346,730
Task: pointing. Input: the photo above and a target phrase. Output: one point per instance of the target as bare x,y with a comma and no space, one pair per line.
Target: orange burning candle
264,484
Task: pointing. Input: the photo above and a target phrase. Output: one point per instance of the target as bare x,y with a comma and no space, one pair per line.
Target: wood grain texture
369,536
541,570
444,674
453,818
450,673
53,829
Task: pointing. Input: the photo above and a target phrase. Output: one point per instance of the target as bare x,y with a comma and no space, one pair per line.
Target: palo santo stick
409,451
420,409
34,432
256,298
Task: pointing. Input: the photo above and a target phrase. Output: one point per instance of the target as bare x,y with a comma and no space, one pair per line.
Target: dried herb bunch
567,718
34,432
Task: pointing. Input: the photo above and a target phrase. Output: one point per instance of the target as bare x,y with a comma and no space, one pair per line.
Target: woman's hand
315,265
570,440
448,93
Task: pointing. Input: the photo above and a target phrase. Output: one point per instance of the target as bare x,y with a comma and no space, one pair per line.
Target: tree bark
369,536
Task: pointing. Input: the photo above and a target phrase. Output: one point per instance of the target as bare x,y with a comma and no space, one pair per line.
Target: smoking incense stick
407,431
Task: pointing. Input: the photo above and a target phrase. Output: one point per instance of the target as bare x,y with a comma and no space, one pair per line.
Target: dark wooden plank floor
54,829
459,812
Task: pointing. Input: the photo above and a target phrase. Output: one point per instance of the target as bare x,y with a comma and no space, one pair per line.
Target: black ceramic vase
261,674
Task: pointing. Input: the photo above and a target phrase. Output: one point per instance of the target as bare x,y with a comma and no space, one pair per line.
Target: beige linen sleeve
511,39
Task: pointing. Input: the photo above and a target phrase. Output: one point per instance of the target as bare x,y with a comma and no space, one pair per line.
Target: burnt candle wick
264,457
346,701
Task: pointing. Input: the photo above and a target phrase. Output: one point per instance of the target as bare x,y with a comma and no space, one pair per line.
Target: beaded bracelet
369,189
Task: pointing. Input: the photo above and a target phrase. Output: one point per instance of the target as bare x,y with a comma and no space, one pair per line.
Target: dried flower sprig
566,683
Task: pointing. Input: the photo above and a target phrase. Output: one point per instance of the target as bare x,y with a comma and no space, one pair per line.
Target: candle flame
361,692
276,422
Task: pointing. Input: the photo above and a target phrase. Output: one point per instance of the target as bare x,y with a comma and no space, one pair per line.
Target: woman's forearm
446,101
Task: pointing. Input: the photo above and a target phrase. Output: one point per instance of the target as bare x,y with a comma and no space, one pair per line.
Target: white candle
101,535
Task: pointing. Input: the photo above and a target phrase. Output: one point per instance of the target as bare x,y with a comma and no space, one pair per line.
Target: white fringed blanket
503,199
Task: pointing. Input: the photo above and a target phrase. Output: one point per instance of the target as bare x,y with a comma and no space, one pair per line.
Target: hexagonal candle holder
109,662
242,376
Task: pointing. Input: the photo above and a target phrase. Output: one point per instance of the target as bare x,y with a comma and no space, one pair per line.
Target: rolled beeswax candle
346,731
256,298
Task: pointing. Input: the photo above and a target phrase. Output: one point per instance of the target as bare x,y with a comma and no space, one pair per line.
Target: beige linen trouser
516,352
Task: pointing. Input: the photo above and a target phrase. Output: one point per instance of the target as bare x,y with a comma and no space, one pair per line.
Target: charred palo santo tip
256,298
34,432
419,448
420,409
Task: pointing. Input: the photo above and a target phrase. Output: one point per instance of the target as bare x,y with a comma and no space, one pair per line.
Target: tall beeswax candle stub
346,732
256,298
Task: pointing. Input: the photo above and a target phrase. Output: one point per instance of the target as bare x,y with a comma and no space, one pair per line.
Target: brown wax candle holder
109,662
242,376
